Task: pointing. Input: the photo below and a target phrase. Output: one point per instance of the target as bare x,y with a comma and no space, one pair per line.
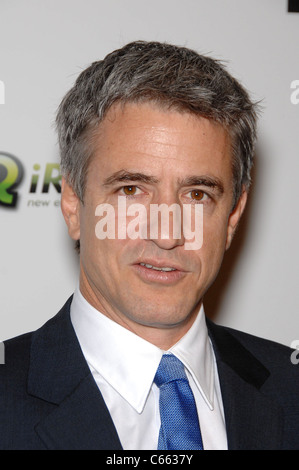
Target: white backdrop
43,47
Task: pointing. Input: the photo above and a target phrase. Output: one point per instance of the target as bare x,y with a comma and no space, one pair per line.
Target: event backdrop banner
43,48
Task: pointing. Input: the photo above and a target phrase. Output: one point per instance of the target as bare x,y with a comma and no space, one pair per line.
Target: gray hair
171,76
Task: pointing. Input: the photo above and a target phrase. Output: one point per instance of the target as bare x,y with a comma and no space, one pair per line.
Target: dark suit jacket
49,399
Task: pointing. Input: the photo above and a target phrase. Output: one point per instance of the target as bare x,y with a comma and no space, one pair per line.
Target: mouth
159,272
157,268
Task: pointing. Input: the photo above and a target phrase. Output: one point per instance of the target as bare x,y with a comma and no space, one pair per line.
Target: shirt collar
195,351
129,363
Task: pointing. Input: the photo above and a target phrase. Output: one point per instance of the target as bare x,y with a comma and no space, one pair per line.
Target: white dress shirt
124,365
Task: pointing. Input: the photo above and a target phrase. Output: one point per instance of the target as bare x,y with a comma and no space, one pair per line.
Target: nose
165,225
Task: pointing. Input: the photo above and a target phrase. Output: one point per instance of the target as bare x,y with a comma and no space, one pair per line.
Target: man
152,125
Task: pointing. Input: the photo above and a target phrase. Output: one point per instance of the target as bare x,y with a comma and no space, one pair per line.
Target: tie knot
170,369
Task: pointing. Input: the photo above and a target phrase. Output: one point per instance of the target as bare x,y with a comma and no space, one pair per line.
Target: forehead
145,136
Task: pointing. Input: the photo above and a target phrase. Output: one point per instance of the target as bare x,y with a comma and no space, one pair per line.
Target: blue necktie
179,421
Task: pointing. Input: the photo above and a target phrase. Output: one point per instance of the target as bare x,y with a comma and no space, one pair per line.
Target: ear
235,217
70,206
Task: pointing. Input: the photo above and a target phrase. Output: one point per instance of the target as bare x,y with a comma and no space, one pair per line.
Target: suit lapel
253,420
80,422
59,374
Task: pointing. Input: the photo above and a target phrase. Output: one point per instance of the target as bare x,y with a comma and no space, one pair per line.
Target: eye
198,195
130,190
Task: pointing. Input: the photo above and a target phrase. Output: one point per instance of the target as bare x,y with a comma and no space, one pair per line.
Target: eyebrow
124,175
211,182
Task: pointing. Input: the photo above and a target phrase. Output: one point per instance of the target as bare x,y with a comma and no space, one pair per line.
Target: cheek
214,242
106,258
99,262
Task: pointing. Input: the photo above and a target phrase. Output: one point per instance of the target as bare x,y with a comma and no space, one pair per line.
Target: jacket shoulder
18,350
270,363
20,410
16,357
269,352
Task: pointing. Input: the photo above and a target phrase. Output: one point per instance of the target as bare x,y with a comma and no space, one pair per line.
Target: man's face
148,155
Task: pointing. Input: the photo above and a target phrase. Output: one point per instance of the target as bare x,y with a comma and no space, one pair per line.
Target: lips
159,272
157,268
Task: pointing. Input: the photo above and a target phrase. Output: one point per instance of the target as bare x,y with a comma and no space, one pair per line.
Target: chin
163,318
